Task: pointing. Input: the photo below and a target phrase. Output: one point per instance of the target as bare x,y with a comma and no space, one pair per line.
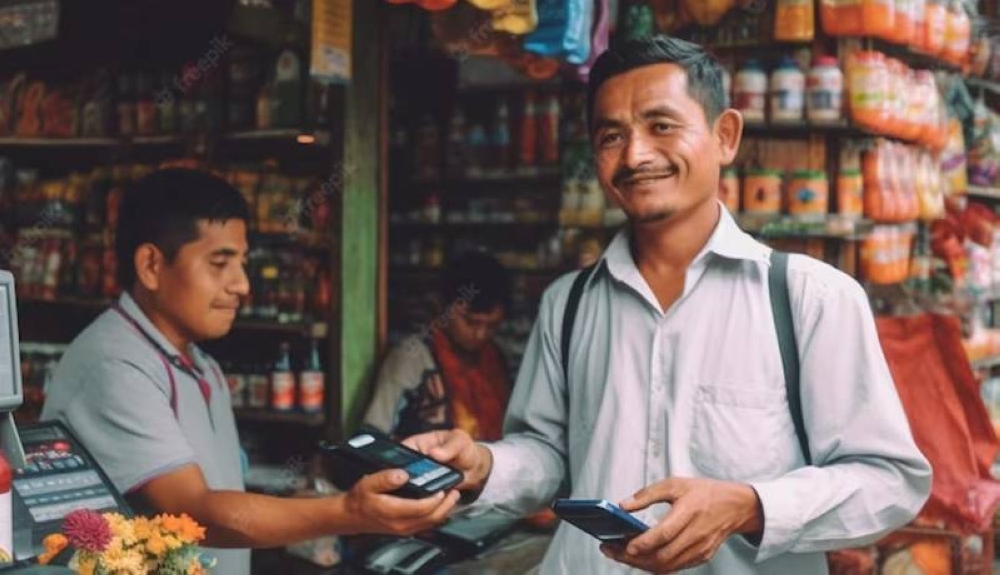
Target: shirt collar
727,241
129,306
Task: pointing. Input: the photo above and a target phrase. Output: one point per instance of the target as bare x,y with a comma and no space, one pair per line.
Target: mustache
625,175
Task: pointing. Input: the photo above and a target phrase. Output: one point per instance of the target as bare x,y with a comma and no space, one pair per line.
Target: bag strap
569,315
781,311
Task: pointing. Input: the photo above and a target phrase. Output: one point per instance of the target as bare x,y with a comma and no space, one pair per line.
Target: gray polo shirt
113,389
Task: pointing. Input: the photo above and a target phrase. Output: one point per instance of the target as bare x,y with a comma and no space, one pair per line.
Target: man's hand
704,513
372,510
455,448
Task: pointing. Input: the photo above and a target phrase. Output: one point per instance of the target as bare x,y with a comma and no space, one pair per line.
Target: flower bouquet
110,544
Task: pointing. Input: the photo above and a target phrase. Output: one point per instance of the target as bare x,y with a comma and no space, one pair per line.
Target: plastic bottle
529,133
283,381
841,17
918,38
793,21
957,35
902,29
549,131
850,193
787,91
936,22
500,158
311,382
878,17
825,88
750,91
867,85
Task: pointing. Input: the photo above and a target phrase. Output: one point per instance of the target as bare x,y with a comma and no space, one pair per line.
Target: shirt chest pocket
741,433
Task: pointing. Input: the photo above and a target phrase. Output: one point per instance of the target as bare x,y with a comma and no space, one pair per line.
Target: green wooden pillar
359,219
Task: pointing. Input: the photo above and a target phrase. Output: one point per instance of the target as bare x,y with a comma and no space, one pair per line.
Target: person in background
154,409
675,389
453,375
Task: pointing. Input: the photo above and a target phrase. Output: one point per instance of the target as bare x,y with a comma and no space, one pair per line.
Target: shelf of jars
304,137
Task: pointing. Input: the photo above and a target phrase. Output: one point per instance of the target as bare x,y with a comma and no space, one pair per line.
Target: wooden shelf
258,415
80,303
310,240
302,137
544,176
432,270
831,227
986,363
983,193
317,329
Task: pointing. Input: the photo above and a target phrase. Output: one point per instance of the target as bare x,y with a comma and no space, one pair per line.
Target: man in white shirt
675,391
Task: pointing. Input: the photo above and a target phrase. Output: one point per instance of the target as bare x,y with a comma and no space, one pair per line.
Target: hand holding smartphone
600,518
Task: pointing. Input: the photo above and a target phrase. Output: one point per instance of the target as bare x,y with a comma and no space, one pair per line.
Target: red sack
950,424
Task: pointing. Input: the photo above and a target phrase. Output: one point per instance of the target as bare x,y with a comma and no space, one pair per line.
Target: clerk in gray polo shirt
154,409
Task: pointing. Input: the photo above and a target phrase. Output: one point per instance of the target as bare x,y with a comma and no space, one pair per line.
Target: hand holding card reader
369,452
600,518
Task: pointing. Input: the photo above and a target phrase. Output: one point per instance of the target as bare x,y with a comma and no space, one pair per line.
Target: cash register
53,474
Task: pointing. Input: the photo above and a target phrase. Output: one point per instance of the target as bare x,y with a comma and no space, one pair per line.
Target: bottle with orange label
878,17
762,191
794,21
850,193
935,23
957,34
841,17
902,29
283,381
918,39
311,382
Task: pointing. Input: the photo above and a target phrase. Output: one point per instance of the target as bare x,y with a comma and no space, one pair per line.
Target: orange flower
189,529
53,544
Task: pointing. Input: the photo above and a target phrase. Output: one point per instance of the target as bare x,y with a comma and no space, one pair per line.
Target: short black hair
478,279
704,73
163,209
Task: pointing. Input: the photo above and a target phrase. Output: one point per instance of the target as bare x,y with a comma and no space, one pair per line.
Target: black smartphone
369,452
600,518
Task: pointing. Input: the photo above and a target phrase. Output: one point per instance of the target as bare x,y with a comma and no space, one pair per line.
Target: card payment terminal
59,476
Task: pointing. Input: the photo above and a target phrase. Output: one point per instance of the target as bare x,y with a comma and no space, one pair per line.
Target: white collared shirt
698,390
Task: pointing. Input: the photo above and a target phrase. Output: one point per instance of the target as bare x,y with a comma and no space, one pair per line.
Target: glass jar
808,194
762,191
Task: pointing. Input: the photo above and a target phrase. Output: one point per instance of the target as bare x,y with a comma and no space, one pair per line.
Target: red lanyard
171,361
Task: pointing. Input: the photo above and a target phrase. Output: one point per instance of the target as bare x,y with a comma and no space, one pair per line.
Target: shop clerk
154,409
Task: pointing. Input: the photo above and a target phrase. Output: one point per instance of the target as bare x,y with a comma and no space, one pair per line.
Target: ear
728,131
149,262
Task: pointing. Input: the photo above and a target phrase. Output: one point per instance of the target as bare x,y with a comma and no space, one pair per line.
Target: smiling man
154,409
675,389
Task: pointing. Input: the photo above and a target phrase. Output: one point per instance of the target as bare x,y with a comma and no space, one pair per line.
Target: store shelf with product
257,415
984,192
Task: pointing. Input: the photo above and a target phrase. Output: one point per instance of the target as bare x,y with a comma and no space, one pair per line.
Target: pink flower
87,530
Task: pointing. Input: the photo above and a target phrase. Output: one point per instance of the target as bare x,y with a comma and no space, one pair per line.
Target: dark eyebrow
606,123
660,112
226,252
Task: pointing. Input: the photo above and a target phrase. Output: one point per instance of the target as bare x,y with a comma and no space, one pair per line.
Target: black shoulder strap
781,310
569,315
